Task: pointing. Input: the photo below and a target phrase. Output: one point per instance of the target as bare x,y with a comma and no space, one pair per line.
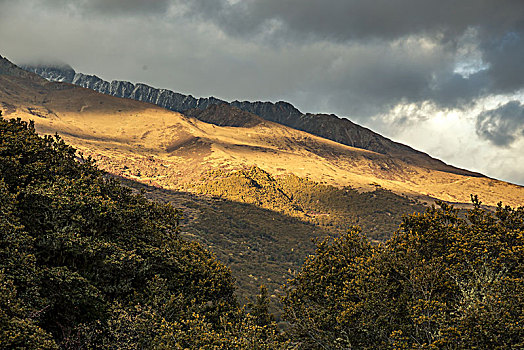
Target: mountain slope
157,151
254,191
160,147
328,126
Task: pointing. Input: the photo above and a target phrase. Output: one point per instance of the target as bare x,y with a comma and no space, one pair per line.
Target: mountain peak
60,72
225,115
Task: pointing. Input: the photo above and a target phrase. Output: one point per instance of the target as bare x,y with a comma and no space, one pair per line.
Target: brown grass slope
328,126
150,144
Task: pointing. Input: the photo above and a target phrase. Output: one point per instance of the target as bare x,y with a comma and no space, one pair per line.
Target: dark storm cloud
352,57
505,55
109,7
502,126
128,6
454,90
499,37
368,78
356,19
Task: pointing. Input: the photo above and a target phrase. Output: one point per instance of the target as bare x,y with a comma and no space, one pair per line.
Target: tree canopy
86,263
446,280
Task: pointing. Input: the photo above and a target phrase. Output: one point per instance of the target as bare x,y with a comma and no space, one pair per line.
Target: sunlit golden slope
145,142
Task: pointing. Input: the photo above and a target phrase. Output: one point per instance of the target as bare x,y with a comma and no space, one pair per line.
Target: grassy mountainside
156,146
223,113
335,209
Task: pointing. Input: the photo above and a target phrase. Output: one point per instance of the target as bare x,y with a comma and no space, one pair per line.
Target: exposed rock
60,73
8,68
328,126
225,115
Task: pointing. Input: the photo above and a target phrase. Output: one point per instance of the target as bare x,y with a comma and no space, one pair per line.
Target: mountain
253,191
225,115
328,126
173,150
86,263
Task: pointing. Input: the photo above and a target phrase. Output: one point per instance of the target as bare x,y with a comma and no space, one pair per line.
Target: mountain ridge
163,148
309,185
328,126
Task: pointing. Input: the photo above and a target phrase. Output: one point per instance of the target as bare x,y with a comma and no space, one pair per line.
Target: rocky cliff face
225,115
141,92
60,73
328,126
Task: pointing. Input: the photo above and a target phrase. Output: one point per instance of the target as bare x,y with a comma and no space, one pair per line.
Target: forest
86,263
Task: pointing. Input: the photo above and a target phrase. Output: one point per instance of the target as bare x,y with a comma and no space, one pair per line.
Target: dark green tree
86,260
446,279
260,309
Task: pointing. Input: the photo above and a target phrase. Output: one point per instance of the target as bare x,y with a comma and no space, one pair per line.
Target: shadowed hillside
263,228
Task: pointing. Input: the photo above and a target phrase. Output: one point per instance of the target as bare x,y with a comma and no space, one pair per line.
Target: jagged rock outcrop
59,72
225,115
328,126
141,92
280,112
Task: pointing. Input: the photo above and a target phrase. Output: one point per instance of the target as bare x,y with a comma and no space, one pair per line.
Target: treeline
443,281
85,263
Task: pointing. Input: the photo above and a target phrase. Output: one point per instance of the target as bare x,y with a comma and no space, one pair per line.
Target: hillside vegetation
84,263
334,209
443,281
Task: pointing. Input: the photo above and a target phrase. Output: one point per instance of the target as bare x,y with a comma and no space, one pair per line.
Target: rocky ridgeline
328,126
225,115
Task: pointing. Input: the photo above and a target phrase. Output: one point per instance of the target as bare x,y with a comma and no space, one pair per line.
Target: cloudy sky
444,76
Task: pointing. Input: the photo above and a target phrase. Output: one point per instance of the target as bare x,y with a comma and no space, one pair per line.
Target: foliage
17,326
255,329
442,281
85,263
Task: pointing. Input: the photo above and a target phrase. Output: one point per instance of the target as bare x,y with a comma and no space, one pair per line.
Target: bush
442,281
78,251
